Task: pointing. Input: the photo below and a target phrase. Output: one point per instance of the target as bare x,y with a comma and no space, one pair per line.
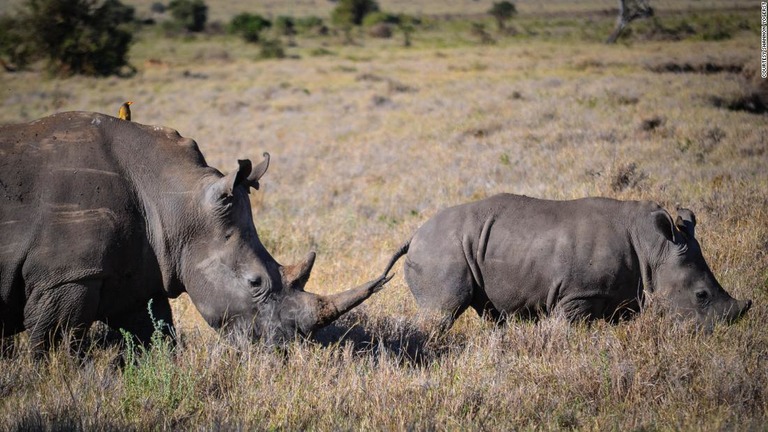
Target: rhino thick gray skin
98,216
591,258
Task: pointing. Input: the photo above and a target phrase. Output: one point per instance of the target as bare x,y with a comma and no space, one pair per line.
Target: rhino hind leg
65,310
442,296
142,322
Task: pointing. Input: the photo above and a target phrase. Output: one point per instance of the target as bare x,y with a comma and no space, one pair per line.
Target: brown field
370,140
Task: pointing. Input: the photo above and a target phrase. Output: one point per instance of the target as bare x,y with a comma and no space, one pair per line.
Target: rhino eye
255,281
701,296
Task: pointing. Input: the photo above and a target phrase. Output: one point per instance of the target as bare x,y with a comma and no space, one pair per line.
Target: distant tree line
87,37
74,37
93,37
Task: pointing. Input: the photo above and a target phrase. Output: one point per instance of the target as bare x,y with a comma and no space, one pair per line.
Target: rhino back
70,208
530,255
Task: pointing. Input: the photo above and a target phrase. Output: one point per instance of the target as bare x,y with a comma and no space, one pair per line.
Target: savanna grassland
371,139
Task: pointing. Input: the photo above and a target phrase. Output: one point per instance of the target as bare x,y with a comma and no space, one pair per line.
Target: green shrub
249,26
151,377
380,30
15,49
310,24
189,14
352,12
380,18
285,25
74,36
272,48
157,7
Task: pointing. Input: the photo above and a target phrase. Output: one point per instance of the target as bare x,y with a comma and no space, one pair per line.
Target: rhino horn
333,306
296,276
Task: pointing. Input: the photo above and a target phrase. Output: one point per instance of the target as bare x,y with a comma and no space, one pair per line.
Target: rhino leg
439,305
64,310
140,323
7,347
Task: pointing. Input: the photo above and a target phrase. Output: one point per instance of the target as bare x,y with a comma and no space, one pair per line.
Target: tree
75,36
629,10
190,14
352,12
349,13
15,48
503,11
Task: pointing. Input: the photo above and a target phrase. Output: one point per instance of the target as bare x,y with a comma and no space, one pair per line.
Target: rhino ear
236,177
686,222
663,222
258,171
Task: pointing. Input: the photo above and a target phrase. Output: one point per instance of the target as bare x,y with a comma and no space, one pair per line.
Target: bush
249,26
502,12
272,48
285,25
189,14
74,36
380,18
380,30
351,12
15,49
157,7
311,24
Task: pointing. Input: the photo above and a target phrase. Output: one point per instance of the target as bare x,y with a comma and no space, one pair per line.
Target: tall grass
367,144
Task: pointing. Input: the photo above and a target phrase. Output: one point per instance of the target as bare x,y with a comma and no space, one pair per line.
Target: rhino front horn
332,306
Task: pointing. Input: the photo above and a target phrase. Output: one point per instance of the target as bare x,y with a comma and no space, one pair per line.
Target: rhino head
683,278
236,284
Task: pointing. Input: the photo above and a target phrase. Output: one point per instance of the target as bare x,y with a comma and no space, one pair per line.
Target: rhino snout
742,307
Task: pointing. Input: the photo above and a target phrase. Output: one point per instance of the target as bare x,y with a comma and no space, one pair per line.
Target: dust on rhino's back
64,201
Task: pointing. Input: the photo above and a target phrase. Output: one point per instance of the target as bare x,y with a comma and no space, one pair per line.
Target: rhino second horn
296,276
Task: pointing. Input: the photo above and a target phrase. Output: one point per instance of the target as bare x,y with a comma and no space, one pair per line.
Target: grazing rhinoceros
590,258
98,216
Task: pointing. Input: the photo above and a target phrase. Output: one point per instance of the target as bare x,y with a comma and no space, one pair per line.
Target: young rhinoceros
99,216
590,258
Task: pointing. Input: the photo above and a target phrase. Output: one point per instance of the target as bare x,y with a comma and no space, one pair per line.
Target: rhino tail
396,256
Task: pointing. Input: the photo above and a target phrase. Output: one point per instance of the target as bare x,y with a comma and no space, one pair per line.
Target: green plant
75,37
157,7
352,12
502,11
285,25
189,14
310,24
15,47
151,377
380,18
272,48
249,26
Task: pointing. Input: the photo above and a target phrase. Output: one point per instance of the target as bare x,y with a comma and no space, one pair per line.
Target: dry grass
367,144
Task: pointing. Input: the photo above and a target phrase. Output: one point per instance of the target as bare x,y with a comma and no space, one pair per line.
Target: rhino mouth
738,310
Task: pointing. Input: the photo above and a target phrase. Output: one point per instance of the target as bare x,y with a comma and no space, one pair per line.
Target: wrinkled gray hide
589,258
99,216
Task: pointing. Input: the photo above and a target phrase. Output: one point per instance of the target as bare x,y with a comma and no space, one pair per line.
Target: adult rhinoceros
590,258
98,216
